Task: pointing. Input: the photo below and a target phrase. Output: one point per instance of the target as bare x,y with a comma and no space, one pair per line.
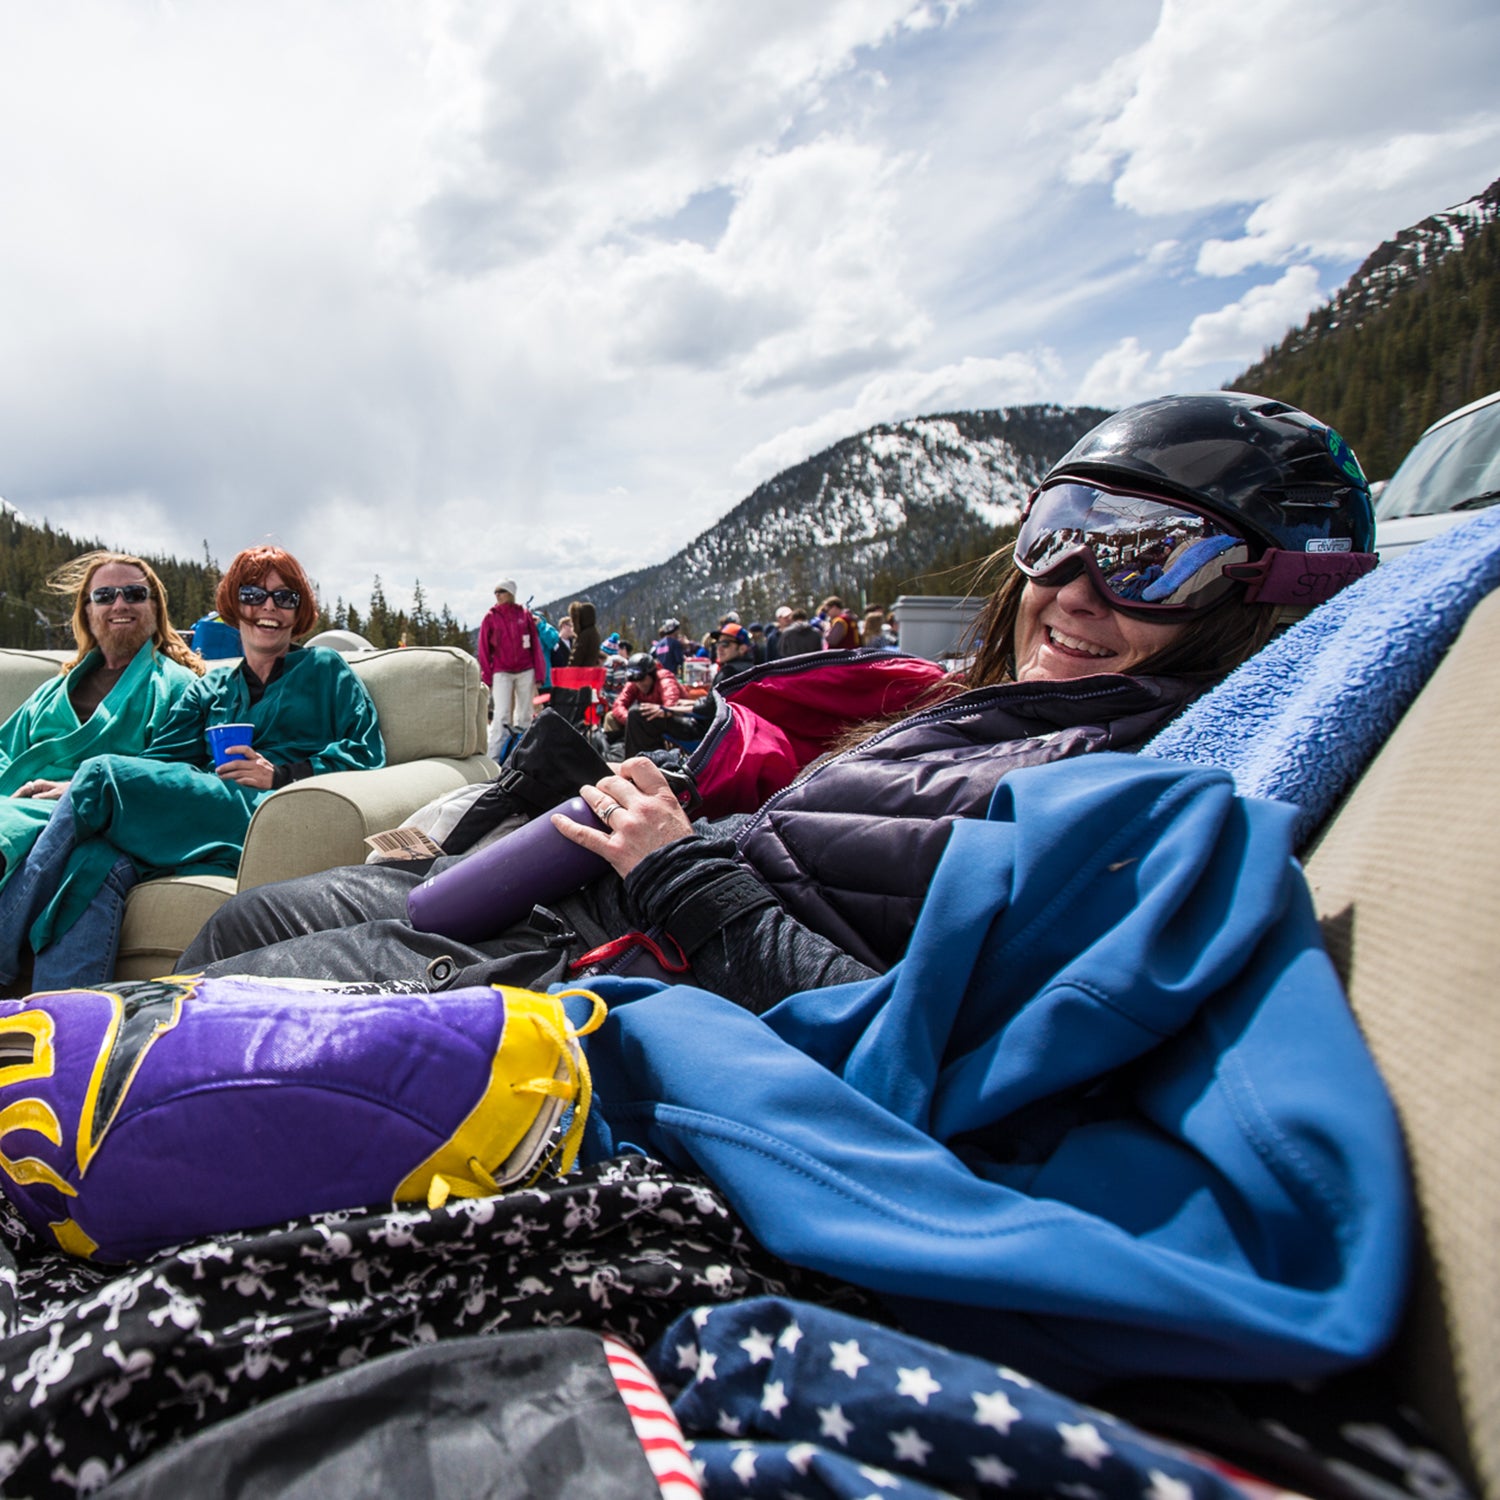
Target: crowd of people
647,699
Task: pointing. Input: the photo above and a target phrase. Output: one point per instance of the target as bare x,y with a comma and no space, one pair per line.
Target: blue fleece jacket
1110,1115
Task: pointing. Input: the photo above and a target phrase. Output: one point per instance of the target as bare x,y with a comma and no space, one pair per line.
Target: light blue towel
1300,720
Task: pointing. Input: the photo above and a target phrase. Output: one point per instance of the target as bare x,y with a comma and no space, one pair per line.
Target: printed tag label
403,843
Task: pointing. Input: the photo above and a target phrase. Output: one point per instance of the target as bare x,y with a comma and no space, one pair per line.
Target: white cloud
568,120
1234,335
1242,329
1016,378
806,280
1121,376
1335,122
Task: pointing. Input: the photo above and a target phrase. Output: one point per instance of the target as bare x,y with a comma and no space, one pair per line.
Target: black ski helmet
1278,475
640,668
1286,482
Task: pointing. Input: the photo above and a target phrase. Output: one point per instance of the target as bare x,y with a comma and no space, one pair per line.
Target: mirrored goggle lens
1145,553
251,593
131,593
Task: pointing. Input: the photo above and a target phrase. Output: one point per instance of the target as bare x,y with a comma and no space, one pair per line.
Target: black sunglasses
131,593
253,594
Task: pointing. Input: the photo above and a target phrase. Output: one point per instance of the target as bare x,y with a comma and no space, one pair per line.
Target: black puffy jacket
824,883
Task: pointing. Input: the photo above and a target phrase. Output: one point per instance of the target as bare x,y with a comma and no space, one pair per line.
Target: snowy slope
887,501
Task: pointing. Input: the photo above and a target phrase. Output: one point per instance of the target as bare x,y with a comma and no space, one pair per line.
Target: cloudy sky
451,290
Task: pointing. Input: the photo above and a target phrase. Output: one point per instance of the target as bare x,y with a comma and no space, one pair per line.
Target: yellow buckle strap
506,1139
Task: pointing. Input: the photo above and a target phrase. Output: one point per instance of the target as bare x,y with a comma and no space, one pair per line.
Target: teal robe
44,740
168,811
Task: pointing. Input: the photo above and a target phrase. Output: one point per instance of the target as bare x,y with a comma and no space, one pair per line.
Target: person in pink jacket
510,661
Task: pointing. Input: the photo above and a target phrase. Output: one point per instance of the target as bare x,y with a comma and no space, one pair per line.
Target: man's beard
126,640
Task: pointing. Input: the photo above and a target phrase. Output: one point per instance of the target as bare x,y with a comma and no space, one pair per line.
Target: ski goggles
131,593
1144,554
253,595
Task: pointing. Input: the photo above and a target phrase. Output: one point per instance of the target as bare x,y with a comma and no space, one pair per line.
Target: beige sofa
1406,878
432,708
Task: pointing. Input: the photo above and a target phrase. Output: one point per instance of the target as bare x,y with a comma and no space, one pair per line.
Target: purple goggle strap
1279,577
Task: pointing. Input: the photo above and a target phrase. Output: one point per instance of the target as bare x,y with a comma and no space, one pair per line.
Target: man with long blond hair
130,667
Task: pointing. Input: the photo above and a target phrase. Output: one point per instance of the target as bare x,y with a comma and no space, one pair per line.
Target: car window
1455,463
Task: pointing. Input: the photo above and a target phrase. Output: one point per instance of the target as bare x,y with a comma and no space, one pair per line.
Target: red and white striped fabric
655,1425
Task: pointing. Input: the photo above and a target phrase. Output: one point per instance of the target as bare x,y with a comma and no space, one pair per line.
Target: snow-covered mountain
864,515
1396,265
1419,249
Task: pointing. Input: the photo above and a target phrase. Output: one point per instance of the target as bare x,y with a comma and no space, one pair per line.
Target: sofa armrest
162,917
323,821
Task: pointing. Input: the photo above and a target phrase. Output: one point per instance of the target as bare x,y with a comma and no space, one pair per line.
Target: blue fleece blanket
1301,719
1110,1115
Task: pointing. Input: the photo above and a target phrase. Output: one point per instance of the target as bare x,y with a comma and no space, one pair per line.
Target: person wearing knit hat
510,661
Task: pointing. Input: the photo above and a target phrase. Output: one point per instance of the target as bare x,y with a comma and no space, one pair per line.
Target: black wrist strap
714,906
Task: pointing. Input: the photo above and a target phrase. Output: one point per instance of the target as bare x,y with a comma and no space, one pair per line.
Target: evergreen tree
1381,366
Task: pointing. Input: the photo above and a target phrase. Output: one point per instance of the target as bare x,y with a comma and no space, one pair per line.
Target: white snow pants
511,693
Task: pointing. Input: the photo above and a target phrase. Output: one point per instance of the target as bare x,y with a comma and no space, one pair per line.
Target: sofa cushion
430,701
22,673
158,912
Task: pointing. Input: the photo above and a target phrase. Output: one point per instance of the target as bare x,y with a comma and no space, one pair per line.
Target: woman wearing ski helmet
1175,515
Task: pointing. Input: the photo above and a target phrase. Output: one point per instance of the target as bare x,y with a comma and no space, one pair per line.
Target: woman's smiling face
266,627
1071,632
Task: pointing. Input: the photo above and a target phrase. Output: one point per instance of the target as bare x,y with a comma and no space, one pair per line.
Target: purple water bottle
489,891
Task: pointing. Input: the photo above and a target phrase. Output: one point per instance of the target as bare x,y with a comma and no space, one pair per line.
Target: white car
1452,472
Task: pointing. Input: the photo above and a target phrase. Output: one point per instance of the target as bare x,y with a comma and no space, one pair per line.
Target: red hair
251,566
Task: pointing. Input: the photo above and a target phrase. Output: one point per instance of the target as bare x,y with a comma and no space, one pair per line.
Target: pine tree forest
1382,377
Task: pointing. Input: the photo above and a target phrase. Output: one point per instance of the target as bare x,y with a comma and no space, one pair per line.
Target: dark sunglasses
131,593
1145,555
253,594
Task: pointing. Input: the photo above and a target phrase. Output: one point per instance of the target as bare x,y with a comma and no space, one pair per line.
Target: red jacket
508,642
664,690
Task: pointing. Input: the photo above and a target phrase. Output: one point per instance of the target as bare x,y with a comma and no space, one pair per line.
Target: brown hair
1215,643
76,578
585,652
251,566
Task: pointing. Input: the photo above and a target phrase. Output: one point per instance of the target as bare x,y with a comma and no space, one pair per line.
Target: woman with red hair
171,810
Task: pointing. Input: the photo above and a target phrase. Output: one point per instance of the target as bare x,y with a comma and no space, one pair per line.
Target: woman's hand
43,791
247,768
639,812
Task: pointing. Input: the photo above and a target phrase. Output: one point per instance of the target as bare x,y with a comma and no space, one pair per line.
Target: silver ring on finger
604,814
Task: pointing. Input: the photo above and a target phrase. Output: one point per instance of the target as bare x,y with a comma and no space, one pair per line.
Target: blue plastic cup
222,736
